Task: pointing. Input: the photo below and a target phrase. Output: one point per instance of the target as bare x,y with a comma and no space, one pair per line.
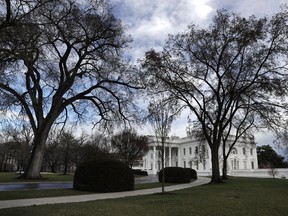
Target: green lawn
238,196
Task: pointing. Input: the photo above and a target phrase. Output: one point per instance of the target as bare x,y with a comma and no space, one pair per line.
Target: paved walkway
91,197
57,185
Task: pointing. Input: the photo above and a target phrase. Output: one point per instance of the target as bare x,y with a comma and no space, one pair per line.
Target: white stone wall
181,152
261,173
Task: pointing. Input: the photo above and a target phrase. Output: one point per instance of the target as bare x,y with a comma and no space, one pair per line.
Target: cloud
249,7
150,22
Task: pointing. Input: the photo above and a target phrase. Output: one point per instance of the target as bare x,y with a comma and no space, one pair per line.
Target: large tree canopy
58,56
230,75
268,158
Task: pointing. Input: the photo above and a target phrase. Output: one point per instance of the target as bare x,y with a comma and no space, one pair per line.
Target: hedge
103,176
192,172
175,175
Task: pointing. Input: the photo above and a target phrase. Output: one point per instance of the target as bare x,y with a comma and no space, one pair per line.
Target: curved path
99,196
57,185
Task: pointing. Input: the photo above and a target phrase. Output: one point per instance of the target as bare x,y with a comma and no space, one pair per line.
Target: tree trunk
163,174
216,178
224,169
163,166
33,168
52,167
65,169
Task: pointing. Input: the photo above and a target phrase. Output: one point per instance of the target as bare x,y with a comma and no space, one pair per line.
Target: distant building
188,152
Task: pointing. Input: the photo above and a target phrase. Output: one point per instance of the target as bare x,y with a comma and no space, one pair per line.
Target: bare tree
13,12
233,68
18,139
63,56
161,116
273,172
97,146
52,155
68,147
64,150
129,146
60,149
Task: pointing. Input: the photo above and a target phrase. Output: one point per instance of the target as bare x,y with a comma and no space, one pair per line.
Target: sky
150,21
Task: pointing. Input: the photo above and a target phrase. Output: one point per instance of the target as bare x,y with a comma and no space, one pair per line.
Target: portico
153,158
188,152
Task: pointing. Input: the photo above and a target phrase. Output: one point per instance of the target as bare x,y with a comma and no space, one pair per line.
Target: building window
184,164
252,164
235,164
197,165
190,164
244,151
176,164
190,150
204,164
184,151
251,151
196,150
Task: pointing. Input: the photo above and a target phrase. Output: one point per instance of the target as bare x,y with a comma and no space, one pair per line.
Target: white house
188,152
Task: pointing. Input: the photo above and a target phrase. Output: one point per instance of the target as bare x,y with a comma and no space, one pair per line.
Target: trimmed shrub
175,175
103,176
192,172
139,172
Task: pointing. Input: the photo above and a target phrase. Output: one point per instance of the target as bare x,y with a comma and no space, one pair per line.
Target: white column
170,158
178,156
148,160
154,157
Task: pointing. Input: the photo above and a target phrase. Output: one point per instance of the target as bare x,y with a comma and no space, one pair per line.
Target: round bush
175,175
192,172
103,176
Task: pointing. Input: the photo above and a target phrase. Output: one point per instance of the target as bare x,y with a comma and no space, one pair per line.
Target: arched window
234,151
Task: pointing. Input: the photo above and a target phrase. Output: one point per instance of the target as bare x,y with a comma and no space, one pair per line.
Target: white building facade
188,152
